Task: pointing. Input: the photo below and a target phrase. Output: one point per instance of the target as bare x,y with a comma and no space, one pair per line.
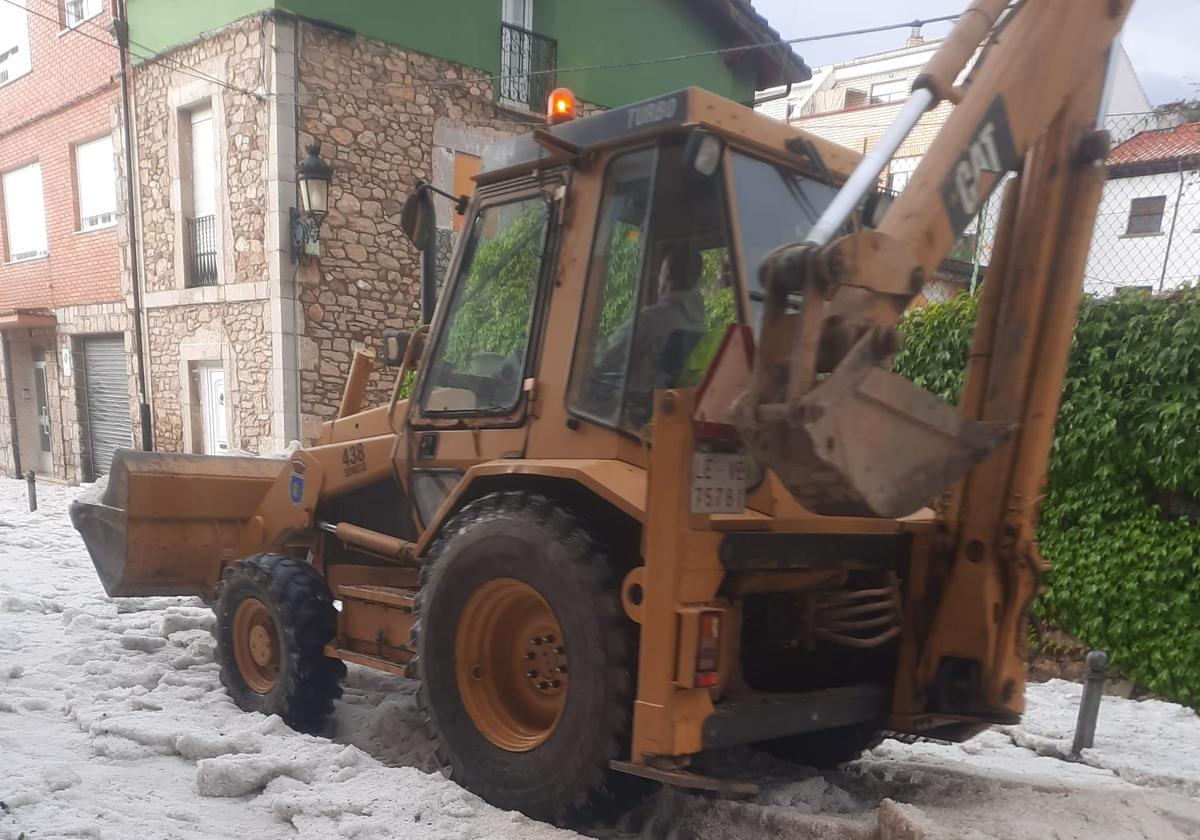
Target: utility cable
585,68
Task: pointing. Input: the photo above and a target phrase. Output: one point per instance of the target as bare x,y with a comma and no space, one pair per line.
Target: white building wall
1118,259
819,104
1126,95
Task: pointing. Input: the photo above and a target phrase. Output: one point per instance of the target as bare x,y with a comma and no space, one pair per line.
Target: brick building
854,102
65,385
248,347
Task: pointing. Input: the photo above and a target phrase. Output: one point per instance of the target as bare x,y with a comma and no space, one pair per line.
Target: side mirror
417,217
702,153
395,342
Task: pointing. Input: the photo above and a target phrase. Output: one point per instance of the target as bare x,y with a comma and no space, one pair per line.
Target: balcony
527,64
201,251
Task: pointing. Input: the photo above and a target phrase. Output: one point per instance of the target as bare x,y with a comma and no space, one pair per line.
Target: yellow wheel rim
256,645
511,665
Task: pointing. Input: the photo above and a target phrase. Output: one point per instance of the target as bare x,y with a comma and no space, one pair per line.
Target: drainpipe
12,405
121,33
1162,277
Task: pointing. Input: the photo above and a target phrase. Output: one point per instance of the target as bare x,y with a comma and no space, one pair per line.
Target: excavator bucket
167,524
869,444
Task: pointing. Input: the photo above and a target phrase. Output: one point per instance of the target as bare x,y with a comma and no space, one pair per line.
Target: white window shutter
204,164
25,212
14,40
97,183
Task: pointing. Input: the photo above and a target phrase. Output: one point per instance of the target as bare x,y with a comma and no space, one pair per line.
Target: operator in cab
666,330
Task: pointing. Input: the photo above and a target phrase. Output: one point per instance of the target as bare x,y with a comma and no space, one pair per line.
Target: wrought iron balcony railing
202,251
527,64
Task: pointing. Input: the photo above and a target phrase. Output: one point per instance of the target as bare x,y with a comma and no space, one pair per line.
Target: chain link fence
1147,233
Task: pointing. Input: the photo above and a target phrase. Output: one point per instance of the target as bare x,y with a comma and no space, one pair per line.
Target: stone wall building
370,106
213,286
249,346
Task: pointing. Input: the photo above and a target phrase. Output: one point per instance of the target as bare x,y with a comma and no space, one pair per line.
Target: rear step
374,627
679,777
759,716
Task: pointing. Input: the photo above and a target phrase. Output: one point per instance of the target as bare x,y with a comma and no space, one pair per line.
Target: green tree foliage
1121,517
620,282
720,310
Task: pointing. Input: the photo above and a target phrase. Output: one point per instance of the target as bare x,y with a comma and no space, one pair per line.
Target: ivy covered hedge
1121,518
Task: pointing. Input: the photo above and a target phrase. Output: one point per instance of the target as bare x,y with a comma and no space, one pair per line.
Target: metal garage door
106,383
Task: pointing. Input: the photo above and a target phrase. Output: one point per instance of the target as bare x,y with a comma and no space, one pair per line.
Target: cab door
471,400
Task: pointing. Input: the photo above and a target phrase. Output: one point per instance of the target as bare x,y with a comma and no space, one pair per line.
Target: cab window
479,361
776,206
660,292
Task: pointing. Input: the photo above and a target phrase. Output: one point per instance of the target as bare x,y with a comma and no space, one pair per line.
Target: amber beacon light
560,107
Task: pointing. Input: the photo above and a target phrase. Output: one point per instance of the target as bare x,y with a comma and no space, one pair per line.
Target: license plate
718,482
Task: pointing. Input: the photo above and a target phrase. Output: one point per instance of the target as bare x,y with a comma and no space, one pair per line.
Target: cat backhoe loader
647,486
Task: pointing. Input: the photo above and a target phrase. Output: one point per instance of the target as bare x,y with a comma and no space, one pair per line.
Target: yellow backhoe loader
656,490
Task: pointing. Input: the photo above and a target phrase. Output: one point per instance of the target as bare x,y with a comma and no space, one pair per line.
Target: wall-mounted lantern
312,177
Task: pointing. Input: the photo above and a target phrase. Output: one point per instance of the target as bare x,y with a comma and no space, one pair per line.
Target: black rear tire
304,618
528,538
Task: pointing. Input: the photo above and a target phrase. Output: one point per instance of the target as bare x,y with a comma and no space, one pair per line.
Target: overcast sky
1162,37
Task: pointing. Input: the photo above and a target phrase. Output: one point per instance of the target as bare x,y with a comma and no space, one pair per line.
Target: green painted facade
468,32
156,25
615,31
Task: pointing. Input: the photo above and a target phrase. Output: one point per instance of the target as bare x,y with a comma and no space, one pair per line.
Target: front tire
522,650
274,617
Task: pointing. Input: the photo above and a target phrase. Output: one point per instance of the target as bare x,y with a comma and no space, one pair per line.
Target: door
212,407
45,463
516,53
472,398
106,397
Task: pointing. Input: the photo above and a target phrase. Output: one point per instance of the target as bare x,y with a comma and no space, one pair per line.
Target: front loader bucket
167,524
873,444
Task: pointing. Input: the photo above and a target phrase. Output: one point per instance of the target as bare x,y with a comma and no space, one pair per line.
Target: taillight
708,649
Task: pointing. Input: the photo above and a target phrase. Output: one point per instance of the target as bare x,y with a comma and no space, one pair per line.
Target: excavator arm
848,436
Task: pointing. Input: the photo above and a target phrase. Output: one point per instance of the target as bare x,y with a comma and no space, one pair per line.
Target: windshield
775,206
481,353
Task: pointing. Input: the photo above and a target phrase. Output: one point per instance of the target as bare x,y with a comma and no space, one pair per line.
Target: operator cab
668,274
694,192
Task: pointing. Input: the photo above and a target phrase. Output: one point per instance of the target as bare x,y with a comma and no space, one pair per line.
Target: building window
25,213
527,59
96,184
1146,215
855,98
200,209
14,40
76,12
894,90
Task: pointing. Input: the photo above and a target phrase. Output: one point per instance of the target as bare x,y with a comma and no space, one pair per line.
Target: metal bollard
1089,704
31,481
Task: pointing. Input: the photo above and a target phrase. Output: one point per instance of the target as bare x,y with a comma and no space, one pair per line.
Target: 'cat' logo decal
978,169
